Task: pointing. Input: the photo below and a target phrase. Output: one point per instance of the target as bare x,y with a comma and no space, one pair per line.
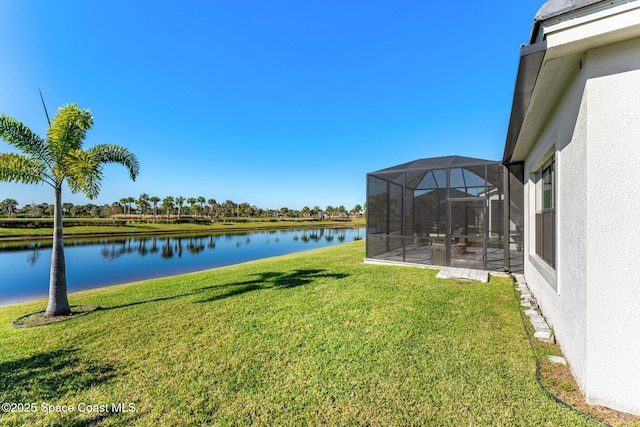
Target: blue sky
276,103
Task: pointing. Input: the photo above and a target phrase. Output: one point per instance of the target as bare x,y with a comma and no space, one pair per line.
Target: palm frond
23,138
22,169
68,129
83,171
111,153
46,113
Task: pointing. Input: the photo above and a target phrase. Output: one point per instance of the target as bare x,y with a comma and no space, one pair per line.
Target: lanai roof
438,163
472,174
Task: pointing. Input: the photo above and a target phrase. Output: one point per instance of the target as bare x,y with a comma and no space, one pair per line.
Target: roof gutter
531,59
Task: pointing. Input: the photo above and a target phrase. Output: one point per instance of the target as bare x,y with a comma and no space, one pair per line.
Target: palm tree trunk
58,302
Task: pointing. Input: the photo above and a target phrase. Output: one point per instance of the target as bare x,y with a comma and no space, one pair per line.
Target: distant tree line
171,208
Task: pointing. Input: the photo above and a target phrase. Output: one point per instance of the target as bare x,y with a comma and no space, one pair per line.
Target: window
546,212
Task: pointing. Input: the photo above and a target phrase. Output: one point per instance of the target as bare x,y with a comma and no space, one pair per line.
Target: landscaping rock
544,336
558,359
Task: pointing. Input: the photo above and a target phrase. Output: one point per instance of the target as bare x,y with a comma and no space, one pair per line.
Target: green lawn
316,338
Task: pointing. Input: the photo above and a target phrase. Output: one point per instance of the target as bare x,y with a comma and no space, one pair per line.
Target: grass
149,228
315,338
40,318
558,380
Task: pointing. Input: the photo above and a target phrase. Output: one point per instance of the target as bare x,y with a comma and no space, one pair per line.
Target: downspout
506,214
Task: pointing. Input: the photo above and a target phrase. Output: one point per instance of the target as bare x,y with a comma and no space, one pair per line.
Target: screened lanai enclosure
447,211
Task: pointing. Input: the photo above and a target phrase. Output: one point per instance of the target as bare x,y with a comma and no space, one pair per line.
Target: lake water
97,262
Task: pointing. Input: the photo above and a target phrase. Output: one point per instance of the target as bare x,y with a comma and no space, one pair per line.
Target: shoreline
232,228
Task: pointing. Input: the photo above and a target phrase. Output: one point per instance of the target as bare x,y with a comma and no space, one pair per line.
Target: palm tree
229,206
212,203
192,202
127,201
201,200
329,210
143,203
167,204
179,202
124,202
115,208
9,206
132,200
154,200
53,160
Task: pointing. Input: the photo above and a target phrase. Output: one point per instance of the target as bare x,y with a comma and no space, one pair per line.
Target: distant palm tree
154,200
179,202
201,200
192,202
195,210
115,208
212,203
329,210
53,160
129,201
9,206
143,203
124,202
167,205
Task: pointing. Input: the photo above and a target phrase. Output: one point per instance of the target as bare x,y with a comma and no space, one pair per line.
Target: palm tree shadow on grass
48,375
45,378
260,278
168,298
199,291
238,291
272,280
267,280
131,304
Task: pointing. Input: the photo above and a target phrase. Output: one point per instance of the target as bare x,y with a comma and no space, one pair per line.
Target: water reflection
168,247
104,261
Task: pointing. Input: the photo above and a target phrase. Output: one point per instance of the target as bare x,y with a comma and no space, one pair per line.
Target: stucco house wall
584,109
564,302
613,227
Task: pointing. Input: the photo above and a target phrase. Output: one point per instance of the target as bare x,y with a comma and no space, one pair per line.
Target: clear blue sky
276,103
